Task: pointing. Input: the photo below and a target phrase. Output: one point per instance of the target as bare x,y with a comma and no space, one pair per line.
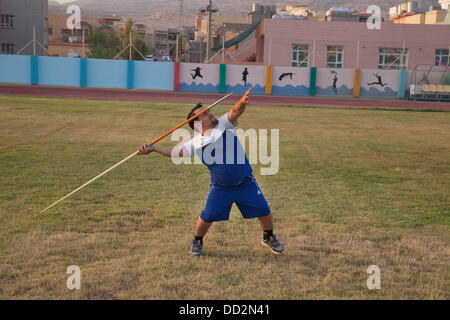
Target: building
260,12
64,42
411,13
445,4
159,40
115,22
346,14
342,44
18,18
141,30
433,16
299,12
227,31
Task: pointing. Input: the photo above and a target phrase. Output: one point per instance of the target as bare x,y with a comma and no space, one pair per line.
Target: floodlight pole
314,54
270,51
82,30
223,49
34,40
131,47
176,48
208,41
357,55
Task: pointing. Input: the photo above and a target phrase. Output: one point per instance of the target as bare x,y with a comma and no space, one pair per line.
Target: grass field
355,188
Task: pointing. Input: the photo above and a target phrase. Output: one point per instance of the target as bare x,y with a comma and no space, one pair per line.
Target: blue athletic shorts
247,196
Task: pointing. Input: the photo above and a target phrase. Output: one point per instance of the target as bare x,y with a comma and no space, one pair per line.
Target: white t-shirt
195,145
222,153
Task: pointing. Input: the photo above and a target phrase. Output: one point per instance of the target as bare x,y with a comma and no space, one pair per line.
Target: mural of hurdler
197,73
379,82
335,79
285,74
244,76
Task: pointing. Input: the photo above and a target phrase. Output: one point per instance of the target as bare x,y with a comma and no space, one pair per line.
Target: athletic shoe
196,249
273,244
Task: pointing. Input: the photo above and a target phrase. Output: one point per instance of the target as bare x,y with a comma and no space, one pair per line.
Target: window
8,48
300,55
7,20
50,31
392,58
442,56
79,32
335,57
66,32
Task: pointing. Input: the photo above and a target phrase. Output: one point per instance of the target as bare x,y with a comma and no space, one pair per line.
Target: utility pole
131,47
82,30
208,40
223,48
177,49
34,40
180,15
201,49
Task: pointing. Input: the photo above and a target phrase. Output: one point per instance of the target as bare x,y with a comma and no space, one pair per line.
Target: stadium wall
192,77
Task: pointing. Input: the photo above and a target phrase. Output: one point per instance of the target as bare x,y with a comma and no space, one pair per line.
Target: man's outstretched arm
239,107
165,151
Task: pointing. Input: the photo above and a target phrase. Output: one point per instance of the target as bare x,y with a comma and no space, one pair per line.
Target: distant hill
164,13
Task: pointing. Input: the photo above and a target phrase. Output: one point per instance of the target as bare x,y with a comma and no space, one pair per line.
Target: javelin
134,153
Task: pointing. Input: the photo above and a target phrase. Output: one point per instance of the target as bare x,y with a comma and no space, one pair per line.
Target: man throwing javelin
232,180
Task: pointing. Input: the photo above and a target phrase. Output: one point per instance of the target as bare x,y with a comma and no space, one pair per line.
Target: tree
104,43
136,40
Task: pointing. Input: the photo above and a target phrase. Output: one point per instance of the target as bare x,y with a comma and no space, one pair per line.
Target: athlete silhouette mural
197,73
244,76
285,74
425,79
379,82
335,79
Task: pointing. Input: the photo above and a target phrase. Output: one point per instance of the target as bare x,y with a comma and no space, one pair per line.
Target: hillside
164,13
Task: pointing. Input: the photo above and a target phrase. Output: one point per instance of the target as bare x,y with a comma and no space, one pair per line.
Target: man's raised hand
244,98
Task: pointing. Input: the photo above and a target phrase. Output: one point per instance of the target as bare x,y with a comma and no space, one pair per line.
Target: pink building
346,45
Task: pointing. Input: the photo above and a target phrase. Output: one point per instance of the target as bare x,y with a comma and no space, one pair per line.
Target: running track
189,97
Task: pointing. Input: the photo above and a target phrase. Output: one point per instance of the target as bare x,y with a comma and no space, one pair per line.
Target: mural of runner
197,73
240,77
244,76
379,82
196,77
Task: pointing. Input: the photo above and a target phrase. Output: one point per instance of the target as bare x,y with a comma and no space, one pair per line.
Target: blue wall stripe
130,74
401,84
83,72
34,70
